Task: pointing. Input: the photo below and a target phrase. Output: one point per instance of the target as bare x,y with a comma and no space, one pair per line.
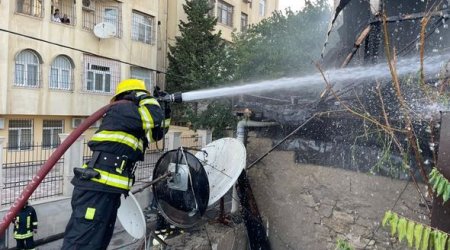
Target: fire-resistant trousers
27,243
91,224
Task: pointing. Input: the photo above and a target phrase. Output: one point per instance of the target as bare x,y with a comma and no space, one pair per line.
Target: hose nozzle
175,97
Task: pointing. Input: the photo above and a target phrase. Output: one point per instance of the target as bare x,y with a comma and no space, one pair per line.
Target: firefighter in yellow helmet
127,129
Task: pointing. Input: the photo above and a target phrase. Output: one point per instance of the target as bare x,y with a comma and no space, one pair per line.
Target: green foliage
284,44
199,59
218,117
417,235
440,184
343,245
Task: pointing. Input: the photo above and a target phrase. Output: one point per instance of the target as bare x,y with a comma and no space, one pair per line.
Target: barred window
61,76
27,69
50,133
20,134
63,11
244,22
145,75
30,7
262,7
143,28
225,13
97,11
101,75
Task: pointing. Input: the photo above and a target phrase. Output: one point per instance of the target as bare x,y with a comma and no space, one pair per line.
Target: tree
283,44
198,60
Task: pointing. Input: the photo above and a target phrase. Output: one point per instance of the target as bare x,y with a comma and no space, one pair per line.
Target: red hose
48,165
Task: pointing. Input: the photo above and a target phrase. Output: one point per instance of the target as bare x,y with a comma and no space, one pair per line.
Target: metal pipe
240,135
48,165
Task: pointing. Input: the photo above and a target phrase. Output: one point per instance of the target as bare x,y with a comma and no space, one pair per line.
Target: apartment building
60,61
232,16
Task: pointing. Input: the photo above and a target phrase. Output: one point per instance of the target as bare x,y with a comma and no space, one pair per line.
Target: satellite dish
131,217
182,198
105,30
223,160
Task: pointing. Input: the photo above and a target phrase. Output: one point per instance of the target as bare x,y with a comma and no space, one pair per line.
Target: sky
294,4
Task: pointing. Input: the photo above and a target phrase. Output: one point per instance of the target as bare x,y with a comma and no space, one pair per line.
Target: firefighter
125,132
25,225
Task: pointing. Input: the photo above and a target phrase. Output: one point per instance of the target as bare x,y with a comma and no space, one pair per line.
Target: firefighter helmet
129,84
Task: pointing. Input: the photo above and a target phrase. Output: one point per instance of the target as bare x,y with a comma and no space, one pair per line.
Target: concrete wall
311,207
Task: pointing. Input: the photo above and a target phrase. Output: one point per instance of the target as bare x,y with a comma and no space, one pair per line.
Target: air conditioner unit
76,122
89,5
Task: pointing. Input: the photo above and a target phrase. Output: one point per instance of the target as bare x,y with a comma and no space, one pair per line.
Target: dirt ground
311,207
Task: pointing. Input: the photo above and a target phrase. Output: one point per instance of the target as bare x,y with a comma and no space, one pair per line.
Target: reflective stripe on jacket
25,222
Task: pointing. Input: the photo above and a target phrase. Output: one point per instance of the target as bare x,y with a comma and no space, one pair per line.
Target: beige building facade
60,61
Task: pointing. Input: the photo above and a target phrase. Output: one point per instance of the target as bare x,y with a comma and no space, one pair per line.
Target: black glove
157,92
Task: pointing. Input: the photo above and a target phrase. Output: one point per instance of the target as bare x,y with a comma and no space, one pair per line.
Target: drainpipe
240,135
256,232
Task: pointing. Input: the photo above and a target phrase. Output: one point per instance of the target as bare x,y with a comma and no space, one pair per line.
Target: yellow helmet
129,84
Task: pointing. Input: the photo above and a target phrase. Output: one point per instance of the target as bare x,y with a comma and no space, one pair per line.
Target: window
50,133
244,22
262,7
142,28
225,13
111,15
29,7
63,11
61,73
20,134
27,69
98,11
102,75
144,75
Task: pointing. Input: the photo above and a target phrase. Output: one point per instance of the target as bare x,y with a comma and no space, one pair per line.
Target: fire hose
58,153
48,165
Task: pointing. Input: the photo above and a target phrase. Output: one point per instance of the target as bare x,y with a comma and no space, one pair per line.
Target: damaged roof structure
348,113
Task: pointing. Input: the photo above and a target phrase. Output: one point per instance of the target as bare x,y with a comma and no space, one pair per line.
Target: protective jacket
126,131
24,223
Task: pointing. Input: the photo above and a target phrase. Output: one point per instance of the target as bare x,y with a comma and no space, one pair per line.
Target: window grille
101,75
27,69
97,11
20,134
143,28
50,133
244,22
61,73
145,75
30,7
225,13
63,11
262,7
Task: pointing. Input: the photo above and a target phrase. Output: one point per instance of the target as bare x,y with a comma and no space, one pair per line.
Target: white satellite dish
105,30
131,217
223,161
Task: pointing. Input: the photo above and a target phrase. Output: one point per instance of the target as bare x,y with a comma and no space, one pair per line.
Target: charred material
339,137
